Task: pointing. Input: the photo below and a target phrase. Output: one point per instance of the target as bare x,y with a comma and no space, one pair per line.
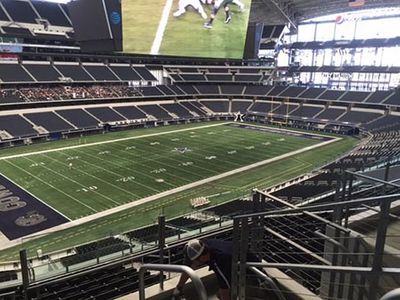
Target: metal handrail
198,284
392,295
264,276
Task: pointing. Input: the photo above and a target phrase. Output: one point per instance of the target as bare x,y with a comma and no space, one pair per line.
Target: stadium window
306,57
345,30
328,57
319,58
325,31
367,29
390,56
368,56
306,32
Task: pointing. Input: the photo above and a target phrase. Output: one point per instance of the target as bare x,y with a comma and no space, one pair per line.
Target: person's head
196,252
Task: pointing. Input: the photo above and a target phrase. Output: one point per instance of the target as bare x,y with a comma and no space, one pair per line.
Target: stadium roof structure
276,12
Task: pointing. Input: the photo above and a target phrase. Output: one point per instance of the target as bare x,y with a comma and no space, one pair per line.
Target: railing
392,295
336,250
198,284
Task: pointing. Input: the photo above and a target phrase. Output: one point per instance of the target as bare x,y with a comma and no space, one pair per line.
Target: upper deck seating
150,91
249,70
101,73
192,106
17,126
166,90
231,89
130,112
293,91
177,109
378,96
49,120
217,106
176,90
156,111
352,96
78,117
331,95
307,111
10,96
393,99
20,11
276,90
389,122
207,89
188,70
126,73
285,109
51,12
105,114
188,89
247,78
359,117
311,93
219,77
331,113
43,72
75,72
13,73
3,16
257,90
193,77
240,106
262,107
176,77
217,70
145,73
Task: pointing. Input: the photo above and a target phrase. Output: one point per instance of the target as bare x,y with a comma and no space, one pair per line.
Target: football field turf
183,35
81,181
113,169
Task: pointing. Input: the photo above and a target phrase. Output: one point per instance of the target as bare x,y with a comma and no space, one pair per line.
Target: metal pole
235,258
244,244
380,241
25,272
161,245
198,284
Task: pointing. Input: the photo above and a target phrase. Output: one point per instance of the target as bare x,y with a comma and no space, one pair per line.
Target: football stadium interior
130,129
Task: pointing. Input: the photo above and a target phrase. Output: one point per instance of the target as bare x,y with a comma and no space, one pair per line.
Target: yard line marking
78,183
97,178
109,141
180,189
120,165
53,187
155,48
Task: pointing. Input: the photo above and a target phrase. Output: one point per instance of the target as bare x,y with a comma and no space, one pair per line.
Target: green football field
184,35
118,168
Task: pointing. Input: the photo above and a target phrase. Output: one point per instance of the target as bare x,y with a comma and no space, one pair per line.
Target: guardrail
392,295
198,284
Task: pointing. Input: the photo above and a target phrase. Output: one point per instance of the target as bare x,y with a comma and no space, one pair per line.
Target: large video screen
194,28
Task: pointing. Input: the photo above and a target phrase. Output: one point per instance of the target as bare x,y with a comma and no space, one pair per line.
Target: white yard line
169,192
110,141
98,178
121,166
155,48
50,185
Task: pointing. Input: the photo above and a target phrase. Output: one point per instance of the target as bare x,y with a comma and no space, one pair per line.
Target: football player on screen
196,4
217,4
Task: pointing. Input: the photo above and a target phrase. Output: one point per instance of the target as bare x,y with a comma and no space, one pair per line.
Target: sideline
166,193
110,141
